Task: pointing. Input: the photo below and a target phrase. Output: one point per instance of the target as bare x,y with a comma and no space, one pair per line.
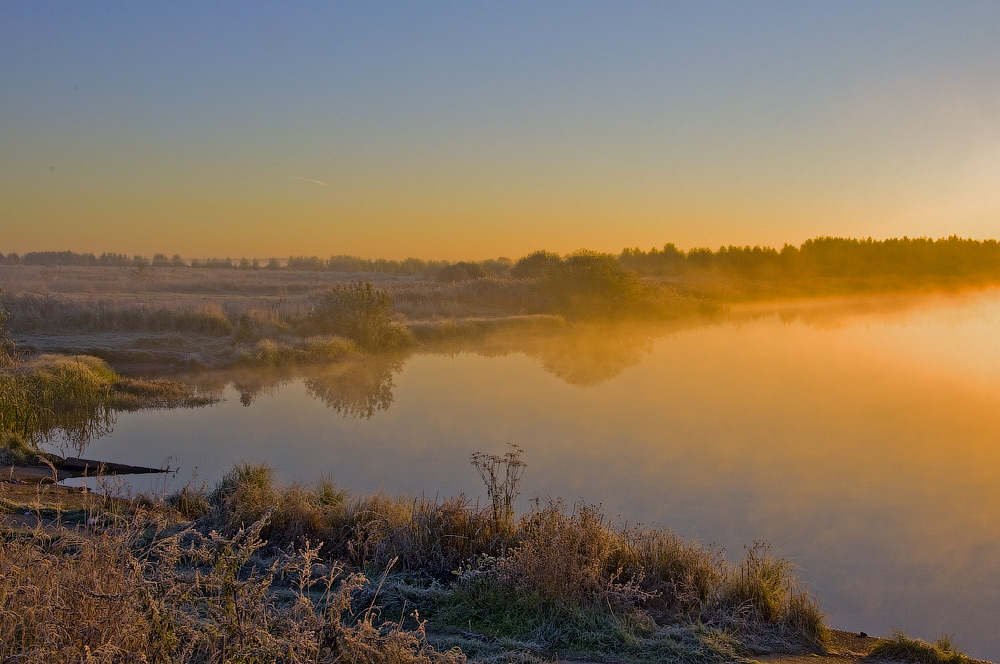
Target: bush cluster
361,312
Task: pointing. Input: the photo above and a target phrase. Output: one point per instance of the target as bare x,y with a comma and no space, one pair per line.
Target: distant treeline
828,257
411,266
822,257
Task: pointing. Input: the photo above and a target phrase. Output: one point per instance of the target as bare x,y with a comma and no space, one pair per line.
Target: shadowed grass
901,648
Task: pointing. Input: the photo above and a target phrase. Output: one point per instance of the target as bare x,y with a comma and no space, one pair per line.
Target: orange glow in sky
467,131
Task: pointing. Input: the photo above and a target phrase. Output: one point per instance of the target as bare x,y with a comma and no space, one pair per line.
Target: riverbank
394,558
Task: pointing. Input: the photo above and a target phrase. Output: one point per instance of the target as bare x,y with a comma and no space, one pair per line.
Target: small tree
591,284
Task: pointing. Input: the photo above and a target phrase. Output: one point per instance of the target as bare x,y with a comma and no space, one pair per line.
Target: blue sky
468,130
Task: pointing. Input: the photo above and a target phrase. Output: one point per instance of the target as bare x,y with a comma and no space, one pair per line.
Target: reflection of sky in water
864,450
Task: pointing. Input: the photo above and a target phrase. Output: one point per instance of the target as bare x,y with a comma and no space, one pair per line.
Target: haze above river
858,436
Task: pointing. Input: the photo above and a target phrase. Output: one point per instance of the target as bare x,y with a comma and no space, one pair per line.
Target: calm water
859,438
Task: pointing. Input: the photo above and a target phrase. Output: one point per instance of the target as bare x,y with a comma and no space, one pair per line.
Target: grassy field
181,317
186,317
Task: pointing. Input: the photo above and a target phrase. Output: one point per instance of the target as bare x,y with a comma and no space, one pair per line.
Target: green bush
360,312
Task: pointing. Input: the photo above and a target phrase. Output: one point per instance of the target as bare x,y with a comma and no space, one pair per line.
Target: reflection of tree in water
593,357
356,389
585,355
251,389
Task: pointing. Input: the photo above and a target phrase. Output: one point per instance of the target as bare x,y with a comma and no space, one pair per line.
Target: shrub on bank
361,312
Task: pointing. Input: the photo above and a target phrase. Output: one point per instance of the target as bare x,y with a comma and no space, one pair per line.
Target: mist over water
858,437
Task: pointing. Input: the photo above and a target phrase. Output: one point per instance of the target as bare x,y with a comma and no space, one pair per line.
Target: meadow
199,318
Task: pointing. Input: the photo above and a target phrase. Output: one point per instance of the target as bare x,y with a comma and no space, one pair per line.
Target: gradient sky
467,130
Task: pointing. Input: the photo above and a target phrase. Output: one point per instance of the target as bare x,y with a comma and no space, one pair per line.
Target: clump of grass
190,503
328,493
16,451
559,588
760,598
50,392
680,577
289,350
244,495
901,648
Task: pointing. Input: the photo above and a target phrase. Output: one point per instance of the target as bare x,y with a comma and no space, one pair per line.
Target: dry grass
562,579
138,593
901,648
266,572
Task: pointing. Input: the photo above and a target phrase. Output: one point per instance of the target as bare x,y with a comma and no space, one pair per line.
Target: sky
469,130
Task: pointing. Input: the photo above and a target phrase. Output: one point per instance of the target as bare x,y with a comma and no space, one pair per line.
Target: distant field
185,317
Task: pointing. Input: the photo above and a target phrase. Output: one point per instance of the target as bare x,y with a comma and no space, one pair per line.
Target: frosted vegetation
256,571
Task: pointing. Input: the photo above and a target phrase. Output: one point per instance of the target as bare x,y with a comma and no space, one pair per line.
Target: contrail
319,182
